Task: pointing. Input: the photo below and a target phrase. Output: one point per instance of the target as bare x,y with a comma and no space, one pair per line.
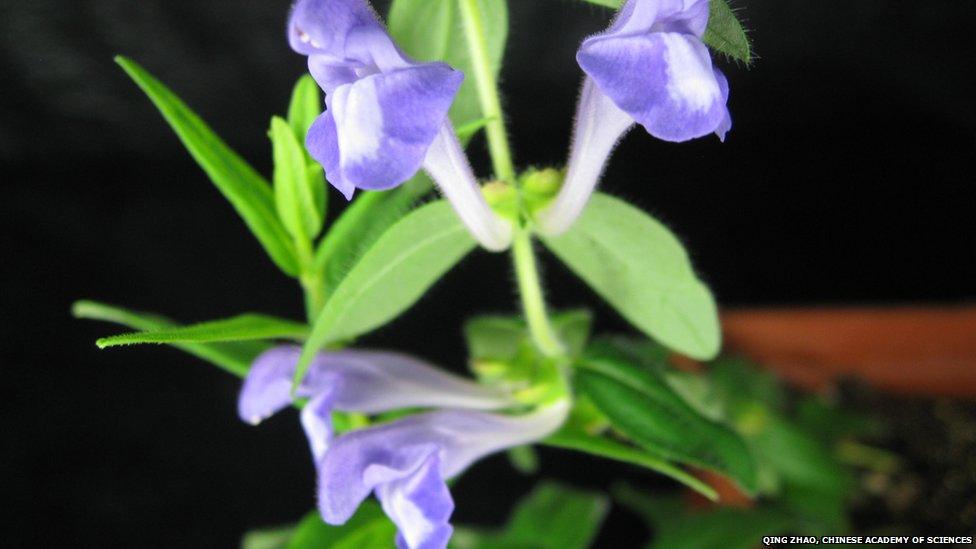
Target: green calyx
503,199
538,187
529,376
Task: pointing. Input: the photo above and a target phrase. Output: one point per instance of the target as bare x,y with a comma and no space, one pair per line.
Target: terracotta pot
914,350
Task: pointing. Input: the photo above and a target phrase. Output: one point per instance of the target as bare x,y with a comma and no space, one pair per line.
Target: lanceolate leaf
396,271
234,357
246,327
247,191
572,438
299,204
431,30
643,406
640,268
724,33
305,106
361,224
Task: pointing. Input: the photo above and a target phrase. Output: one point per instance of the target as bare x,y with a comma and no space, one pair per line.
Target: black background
848,178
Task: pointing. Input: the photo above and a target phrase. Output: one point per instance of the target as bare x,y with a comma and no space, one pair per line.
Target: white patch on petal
408,513
691,81
359,122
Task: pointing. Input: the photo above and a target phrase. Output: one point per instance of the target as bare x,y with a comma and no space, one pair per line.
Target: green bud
544,182
540,186
502,197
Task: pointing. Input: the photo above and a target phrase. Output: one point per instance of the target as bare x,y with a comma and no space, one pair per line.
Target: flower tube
386,114
405,462
651,68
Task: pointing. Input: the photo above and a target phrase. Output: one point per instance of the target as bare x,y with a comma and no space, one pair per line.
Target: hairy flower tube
386,114
651,68
404,462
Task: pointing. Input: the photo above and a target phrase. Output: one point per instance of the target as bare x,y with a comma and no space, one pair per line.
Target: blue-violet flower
386,114
650,67
404,462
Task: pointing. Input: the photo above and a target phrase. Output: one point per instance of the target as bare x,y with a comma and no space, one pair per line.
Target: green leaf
500,337
361,224
235,358
245,327
553,516
246,190
367,529
724,33
615,4
431,30
403,264
305,106
644,407
269,538
677,527
572,438
640,268
557,517
299,204
524,459
469,129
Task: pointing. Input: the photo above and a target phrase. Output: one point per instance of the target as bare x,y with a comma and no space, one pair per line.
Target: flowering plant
401,103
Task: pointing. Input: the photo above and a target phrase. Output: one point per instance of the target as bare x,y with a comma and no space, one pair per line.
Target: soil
932,490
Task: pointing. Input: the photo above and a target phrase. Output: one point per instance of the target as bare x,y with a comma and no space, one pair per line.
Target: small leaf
524,459
269,538
246,327
469,129
431,30
299,205
367,529
396,271
644,407
725,32
552,516
572,438
498,337
235,358
361,224
247,191
678,528
557,517
615,4
305,106
640,268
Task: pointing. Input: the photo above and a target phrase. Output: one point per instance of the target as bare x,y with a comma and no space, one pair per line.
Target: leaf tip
78,308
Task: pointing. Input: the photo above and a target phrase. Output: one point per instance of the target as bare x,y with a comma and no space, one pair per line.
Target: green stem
488,96
523,257
533,303
310,279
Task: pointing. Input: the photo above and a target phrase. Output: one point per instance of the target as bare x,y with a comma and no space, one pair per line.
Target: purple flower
386,114
649,67
404,462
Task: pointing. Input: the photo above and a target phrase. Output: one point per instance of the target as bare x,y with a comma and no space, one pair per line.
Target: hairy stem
310,278
533,302
491,107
